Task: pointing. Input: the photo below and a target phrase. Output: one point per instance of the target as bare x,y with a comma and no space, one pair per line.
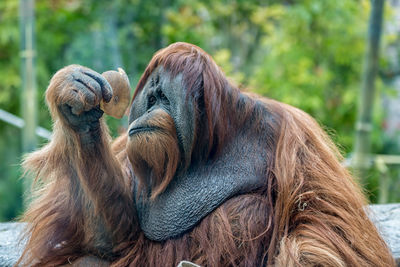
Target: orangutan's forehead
165,78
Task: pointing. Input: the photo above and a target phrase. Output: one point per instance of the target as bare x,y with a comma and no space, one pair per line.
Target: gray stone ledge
386,217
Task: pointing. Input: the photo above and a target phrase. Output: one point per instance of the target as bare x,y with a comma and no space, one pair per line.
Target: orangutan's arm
85,205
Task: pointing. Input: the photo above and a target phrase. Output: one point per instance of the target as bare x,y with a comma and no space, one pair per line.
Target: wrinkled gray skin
198,187
197,191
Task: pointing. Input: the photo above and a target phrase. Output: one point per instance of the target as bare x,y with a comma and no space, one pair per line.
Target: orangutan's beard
154,153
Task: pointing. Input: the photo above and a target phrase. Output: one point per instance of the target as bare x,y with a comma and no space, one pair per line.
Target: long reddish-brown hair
81,194
314,211
311,211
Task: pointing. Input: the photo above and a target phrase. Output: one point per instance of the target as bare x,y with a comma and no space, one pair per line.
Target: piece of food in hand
119,102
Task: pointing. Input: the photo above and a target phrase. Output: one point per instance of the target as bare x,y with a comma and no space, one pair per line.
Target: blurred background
307,53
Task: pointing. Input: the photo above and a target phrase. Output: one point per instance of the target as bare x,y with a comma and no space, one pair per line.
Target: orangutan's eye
162,96
152,100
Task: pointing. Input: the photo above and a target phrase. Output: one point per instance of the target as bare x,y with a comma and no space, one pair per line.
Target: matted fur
311,212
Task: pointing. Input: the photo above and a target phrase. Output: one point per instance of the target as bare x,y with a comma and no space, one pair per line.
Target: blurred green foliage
306,53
